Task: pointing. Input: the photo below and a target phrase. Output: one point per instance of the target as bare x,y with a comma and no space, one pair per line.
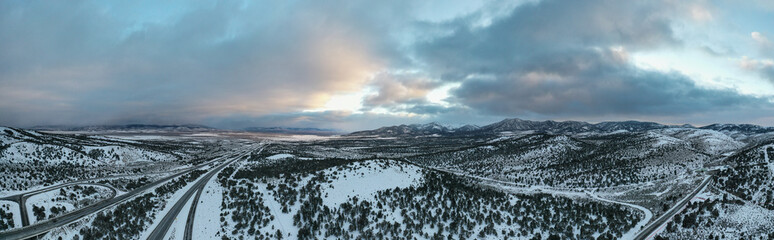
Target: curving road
45,226
21,198
570,193
650,230
113,193
640,224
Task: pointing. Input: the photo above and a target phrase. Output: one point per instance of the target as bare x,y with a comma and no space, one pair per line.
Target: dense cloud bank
235,64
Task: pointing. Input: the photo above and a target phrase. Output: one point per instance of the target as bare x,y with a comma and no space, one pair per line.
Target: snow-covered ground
280,156
767,159
300,137
658,194
662,140
282,221
168,206
729,220
702,196
177,229
204,135
19,152
207,219
511,187
709,141
45,200
54,198
633,231
124,155
749,216
365,179
359,179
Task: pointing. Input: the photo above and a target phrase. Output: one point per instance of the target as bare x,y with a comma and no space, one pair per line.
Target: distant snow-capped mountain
415,130
632,126
551,127
568,127
515,124
739,128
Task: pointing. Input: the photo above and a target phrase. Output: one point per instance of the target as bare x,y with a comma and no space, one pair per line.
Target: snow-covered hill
20,146
29,158
387,199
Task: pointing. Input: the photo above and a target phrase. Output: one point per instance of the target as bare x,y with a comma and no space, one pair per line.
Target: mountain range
549,126
410,130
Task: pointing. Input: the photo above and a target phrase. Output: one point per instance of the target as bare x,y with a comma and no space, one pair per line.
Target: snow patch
366,179
280,156
207,220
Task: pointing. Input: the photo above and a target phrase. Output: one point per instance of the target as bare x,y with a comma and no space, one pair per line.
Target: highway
650,230
188,235
161,229
45,226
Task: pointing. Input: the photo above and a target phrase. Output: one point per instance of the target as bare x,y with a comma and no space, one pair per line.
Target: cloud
748,63
590,83
399,88
549,26
765,46
758,37
202,59
764,67
571,59
767,71
763,42
701,13
233,63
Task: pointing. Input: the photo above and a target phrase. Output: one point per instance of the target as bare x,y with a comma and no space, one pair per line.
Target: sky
353,65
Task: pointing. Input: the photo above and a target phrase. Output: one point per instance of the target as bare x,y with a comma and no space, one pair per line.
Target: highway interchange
42,227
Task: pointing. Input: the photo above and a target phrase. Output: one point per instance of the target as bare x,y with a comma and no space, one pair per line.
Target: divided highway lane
161,230
188,235
649,231
45,226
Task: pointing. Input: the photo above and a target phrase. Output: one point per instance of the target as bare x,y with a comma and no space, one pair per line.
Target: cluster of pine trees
753,183
443,206
22,176
6,218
